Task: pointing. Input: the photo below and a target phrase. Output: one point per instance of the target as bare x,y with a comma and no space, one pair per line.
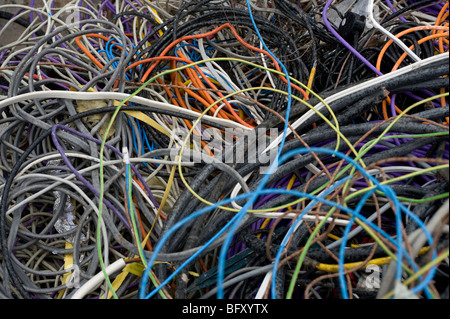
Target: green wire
226,97
397,179
366,228
422,271
390,181
259,67
365,148
135,228
363,151
113,117
313,235
132,214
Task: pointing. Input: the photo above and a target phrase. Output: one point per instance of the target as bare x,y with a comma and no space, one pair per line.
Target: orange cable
386,46
189,125
233,30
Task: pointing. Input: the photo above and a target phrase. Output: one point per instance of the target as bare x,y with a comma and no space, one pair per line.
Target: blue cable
204,210
233,220
295,223
344,237
399,207
236,220
347,229
108,50
241,214
189,51
433,269
133,135
342,281
194,215
145,138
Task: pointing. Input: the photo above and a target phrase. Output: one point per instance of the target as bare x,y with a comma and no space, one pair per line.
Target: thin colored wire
423,270
293,227
223,98
194,215
377,184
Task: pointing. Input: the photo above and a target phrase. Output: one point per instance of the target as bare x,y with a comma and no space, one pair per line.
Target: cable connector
357,20
363,8
126,156
352,26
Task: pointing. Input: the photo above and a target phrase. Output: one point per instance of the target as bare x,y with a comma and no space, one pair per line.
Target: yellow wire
311,78
365,149
339,133
334,237
289,186
375,261
421,271
163,202
335,268
396,179
157,18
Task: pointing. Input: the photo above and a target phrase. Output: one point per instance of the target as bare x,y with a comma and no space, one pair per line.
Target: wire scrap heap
257,149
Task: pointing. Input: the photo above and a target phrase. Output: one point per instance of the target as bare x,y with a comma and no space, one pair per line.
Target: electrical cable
269,149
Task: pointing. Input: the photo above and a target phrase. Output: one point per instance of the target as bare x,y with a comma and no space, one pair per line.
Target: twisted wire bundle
129,166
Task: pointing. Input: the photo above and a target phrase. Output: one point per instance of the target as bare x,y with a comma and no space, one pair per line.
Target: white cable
377,80
75,187
374,171
269,74
358,229
312,218
97,280
263,288
376,25
418,238
95,159
67,179
89,96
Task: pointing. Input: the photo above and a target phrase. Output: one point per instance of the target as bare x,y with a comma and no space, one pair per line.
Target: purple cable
115,150
357,54
83,180
376,147
394,10
73,73
79,13
131,5
433,9
87,7
101,8
345,43
38,13
394,113
31,13
111,7
64,86
436,43
2,54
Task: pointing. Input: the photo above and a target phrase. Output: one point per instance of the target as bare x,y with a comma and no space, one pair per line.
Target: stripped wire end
126,156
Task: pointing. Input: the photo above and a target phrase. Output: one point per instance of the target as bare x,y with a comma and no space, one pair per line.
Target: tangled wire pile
225,149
